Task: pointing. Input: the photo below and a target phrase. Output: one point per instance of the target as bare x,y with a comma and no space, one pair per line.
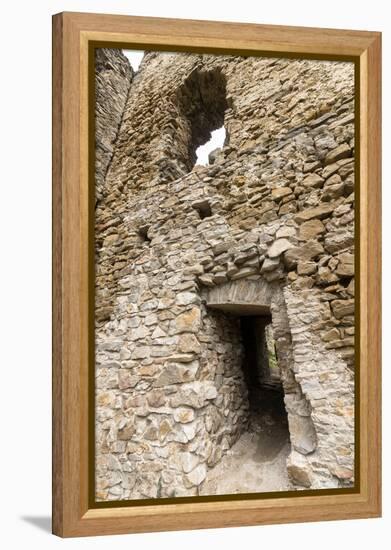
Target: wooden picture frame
73,343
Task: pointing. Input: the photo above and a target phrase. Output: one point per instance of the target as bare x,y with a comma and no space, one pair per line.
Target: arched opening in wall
202,101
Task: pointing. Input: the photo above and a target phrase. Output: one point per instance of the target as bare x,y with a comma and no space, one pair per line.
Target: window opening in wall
202,100
143,232
206,153
203,208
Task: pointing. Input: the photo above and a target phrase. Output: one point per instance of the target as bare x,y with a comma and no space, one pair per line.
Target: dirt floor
257,461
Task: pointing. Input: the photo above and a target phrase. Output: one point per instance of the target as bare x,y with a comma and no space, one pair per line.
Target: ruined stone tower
184,252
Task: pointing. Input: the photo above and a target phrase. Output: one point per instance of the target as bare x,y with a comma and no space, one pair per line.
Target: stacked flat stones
276,205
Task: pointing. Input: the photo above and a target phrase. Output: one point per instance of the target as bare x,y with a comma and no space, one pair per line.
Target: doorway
268,415
257,461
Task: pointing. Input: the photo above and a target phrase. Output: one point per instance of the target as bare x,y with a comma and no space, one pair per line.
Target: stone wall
275,210
113,76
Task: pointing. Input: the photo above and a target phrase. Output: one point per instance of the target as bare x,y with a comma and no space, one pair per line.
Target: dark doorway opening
265,392
260,362
256,462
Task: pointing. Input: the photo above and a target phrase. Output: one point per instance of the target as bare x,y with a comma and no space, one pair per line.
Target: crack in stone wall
171,398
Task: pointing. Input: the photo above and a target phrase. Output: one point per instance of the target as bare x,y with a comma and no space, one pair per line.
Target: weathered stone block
299,470
156,398
303,253
325,276
188,343
139,333
164,429
186,298
330,335
320,212
189,461
189,321
180,358
345,266
244,272
341,152
286,231
306,268
206,280
126,431
341,308
176,373
197,476
333,192
127,379
270,264
281,192
338,240
302,433
220,277
341,472
313,181
183,415
278,247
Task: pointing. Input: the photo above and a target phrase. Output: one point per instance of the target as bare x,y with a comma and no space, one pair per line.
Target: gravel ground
256,463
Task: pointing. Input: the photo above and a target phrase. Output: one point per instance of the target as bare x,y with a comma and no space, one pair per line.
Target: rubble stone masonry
269,222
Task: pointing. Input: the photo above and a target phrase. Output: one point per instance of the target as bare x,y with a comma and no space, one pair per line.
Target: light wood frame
72,32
